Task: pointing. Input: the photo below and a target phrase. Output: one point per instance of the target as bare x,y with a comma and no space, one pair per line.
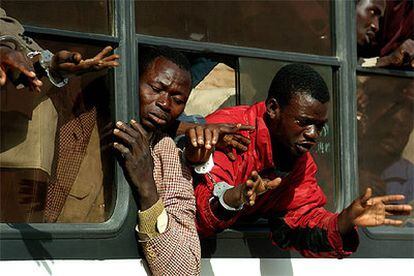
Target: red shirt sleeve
306,226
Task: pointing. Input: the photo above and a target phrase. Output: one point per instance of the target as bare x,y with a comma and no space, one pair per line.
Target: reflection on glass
84,16
385,31
255,78
385,135
55,164
297,26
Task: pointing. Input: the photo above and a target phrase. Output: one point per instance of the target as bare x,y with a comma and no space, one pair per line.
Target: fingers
124,137
200,135
121,149
237,145
76,57
234,128
215,138
242,139
393,222
192,136
127,129
398,210
230,155
254,187
273,184
208,138
246,127
137,127
2,77
389,198
105,51
111,58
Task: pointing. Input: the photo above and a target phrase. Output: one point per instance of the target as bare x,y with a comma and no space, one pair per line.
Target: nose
375,24
164,101
311,133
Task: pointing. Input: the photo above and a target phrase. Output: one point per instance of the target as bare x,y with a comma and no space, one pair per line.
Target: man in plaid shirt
153,166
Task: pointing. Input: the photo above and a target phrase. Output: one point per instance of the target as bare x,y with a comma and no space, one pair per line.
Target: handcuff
45,62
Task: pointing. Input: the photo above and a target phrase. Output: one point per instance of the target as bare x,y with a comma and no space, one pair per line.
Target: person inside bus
29,119
386,121
154,167
275,177
385,33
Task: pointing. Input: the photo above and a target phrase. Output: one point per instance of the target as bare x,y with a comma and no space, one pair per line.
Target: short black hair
147,54
297,78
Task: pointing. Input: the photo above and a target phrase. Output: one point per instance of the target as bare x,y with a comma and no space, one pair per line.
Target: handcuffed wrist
152,222
220,189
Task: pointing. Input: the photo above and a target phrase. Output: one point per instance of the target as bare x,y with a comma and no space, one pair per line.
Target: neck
283,159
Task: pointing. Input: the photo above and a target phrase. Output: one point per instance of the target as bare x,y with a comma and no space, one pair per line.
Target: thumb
367,195
273,184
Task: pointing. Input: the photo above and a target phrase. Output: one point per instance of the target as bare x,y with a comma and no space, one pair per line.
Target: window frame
344,65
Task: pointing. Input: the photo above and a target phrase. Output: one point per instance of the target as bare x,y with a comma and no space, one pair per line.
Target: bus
235,48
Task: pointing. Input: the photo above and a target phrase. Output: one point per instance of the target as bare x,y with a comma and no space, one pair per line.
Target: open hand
66,63
375,211
256,185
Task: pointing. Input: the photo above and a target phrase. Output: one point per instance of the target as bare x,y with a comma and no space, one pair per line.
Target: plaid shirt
176,251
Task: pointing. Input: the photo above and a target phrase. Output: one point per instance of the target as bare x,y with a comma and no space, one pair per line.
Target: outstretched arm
65,63
369,211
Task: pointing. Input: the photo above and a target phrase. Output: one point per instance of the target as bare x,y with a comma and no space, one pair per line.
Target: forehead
167,72
304,105
369,4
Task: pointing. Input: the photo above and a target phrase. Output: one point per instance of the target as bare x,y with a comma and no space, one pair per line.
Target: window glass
385,136
255,78
55,159
296,26
385,30
83,16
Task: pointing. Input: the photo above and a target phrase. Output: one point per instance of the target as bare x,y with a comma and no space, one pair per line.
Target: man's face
389,125
368,13
300,124
163,92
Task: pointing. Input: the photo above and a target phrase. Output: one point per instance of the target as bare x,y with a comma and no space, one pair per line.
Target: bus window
83,16
255,78
385,117
56,164
294,26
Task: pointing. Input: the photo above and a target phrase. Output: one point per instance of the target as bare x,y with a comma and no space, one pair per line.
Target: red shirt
295,209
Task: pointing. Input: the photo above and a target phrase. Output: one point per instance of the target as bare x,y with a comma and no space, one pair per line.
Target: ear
272,109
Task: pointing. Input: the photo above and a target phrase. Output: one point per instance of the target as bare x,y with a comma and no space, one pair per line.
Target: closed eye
178,101
156,88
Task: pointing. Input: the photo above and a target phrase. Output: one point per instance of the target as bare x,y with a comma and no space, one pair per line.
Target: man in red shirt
276,175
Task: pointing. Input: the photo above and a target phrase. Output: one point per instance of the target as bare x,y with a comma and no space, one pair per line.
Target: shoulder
246,114
163,145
